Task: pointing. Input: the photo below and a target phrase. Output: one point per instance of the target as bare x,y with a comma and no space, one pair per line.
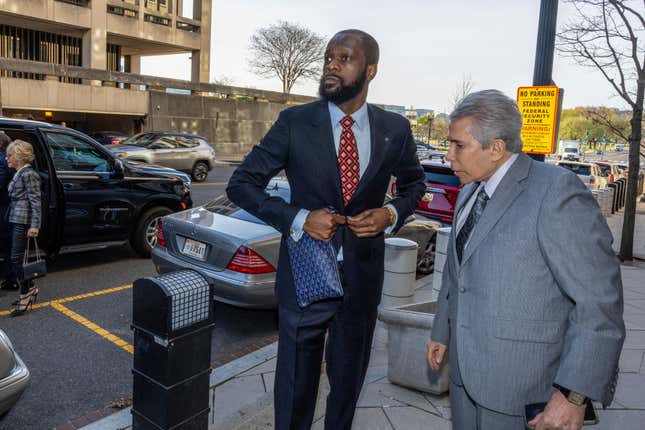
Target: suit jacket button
462,290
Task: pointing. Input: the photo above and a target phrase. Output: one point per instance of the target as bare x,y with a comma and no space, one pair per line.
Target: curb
123,419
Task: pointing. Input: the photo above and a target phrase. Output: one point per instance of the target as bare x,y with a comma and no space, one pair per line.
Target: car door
52,196
187,153
164,151
97,206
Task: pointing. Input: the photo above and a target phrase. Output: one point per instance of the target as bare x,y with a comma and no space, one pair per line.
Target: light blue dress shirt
490,186
361,129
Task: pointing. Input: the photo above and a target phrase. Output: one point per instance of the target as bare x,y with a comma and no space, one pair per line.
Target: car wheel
200,171
425,263
145,235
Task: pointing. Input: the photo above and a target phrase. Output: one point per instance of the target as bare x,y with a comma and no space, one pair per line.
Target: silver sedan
238,252
185,152
14,375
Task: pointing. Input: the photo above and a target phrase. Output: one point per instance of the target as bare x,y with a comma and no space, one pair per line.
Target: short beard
345,92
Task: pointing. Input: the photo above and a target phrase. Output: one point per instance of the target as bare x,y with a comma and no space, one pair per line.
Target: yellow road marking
77,297
56,304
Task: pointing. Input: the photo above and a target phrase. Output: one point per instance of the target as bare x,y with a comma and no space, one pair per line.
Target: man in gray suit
531,301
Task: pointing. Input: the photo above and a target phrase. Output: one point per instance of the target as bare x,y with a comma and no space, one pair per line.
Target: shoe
33,291
26,303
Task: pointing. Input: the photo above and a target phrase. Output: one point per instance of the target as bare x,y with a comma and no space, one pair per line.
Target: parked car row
595,174
185,152
93,199
238,252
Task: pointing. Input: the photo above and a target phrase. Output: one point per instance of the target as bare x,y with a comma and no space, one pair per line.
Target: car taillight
248,261
452,195
115,141
161,239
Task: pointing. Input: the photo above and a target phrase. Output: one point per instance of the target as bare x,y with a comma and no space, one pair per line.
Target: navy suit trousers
300,352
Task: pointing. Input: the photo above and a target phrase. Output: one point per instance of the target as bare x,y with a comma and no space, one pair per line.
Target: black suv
91,199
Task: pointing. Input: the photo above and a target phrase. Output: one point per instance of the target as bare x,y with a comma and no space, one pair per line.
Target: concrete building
96,35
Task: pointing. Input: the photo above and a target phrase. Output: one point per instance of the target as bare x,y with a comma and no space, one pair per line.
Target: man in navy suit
338,152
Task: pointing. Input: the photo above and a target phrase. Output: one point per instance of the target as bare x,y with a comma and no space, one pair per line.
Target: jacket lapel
324,139
464,195
379,141
507,191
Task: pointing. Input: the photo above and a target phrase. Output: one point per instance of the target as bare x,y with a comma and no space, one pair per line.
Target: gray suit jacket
537,298
24,196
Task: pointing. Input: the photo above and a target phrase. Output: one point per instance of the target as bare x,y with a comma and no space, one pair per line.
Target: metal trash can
400,267
173,322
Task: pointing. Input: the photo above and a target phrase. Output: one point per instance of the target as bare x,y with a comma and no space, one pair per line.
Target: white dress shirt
362,133
490,186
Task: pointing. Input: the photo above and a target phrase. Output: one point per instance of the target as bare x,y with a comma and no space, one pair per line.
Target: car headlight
121,154
182,188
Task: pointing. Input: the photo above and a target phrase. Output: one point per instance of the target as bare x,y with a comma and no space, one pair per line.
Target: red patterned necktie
348,162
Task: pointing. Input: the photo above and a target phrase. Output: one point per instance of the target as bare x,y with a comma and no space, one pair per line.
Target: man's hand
370,222
32,232
321,224
559,414
436,352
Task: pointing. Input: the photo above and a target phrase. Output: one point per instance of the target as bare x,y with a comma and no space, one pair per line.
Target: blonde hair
23,151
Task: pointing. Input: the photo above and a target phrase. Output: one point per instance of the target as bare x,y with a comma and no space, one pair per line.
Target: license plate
193,248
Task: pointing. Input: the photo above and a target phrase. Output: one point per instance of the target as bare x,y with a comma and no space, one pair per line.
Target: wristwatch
572,396
392,214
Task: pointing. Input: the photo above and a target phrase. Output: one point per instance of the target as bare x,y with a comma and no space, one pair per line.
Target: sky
427,47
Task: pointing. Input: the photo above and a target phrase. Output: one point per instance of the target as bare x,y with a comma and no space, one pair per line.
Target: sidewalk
242,396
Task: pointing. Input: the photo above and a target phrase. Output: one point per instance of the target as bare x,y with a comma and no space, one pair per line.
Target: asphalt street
77,370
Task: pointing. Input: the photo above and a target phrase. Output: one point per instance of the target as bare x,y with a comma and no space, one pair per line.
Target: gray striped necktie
474,215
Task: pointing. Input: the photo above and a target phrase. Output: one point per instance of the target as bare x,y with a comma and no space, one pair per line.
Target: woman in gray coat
24,217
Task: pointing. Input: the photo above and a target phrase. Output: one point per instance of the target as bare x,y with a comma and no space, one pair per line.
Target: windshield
442,177
605,170
223,206
578,169
570,149
143,139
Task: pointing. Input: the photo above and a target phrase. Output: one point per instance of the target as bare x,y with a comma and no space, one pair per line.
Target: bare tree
605,36
463,88
287,51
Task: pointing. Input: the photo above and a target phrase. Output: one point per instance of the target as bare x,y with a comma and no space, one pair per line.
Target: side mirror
119,168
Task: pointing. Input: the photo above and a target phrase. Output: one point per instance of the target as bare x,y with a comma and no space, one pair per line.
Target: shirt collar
493,182
360,117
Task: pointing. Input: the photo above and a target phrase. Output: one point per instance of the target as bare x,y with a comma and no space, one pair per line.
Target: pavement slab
409,418
631,360
631,391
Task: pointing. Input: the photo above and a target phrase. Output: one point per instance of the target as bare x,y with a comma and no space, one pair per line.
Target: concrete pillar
95,40
400,267
201,60
440,256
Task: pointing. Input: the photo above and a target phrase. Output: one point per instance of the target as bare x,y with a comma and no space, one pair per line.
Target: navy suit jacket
301,143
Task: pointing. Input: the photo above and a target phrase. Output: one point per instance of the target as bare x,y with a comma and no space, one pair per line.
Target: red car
442,190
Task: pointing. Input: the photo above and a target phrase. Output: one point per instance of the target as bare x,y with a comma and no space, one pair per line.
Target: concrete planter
409,329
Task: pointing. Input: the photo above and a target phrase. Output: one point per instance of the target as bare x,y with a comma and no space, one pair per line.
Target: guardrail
151,83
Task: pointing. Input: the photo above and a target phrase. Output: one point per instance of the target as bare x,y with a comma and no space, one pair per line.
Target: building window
163,6
157,20
84,3
188,27
25,44
113,58
116,10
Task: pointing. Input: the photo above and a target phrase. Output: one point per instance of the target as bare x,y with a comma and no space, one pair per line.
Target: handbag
33,269
314,269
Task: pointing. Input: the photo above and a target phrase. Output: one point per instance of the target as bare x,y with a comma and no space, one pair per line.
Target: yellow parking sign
539,107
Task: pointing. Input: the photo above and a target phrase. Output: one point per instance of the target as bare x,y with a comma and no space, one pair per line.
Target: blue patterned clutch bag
314,269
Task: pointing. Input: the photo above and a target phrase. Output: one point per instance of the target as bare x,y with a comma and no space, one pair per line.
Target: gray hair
23,151
496,117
